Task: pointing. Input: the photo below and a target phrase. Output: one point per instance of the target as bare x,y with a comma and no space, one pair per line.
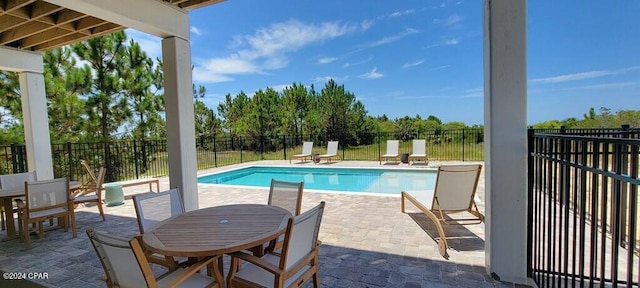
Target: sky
415,57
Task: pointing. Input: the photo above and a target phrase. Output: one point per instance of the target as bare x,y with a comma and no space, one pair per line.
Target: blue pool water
387,181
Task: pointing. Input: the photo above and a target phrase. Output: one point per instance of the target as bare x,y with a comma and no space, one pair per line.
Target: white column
505,110
36,124
181,141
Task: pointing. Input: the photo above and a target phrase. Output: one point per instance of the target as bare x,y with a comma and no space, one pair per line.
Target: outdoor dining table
217,230
7,195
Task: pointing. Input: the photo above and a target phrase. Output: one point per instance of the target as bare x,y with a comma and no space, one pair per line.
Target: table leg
8,210
218,272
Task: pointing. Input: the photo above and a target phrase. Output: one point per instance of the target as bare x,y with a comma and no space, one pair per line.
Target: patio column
181,141
505,110
36,124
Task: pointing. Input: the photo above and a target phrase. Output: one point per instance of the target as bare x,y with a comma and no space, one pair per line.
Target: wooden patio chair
46,199
454,193
125,264
295,265
287,195
392,151
92,193
307,150
153,208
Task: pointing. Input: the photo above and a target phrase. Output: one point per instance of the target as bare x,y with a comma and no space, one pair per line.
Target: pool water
371,180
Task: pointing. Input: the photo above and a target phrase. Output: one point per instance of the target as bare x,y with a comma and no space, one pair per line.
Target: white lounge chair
455,192
332,151
392,151
307,148
419,150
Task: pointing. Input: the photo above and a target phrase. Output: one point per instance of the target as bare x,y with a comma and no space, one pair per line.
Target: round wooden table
217,230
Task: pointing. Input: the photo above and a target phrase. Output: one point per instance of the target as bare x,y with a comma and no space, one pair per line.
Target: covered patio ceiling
38,25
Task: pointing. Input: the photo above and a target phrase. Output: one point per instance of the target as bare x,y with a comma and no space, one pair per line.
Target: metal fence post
284,146
215,152
70,159
462,144
135,159
261,147
240,149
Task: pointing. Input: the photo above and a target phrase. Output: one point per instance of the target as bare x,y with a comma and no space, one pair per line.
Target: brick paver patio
367,241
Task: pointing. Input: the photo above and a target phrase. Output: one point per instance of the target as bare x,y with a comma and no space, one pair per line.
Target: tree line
110,83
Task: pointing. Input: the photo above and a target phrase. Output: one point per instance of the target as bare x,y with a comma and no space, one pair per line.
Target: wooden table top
217,230
18,191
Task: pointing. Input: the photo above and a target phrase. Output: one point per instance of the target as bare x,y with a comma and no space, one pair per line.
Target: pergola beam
149,16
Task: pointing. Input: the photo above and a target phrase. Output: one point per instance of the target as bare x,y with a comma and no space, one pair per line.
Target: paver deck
367,241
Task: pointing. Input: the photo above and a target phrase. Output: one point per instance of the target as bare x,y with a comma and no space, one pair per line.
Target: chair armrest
256,261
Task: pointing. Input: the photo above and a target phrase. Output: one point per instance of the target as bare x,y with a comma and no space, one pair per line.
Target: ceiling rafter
37,25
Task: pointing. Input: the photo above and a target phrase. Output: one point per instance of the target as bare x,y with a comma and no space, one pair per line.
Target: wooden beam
47,35
77,37
8,21
21,32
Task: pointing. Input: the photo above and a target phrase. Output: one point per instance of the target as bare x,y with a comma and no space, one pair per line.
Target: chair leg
25,230
442,242
72,215
99,203
2,218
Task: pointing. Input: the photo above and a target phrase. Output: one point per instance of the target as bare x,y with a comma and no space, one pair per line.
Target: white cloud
402,13
326,60
582,75
195,30
440,67
150,44
325,79
453,21
280,87
412,64
268,48
349,64
394,38
446,42
373,74
606,85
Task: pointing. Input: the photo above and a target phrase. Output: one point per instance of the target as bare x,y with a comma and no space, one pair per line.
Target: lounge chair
307,148
419,151
455,192
92,193
332,151
392,151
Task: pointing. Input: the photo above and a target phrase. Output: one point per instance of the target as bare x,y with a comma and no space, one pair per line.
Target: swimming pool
367,180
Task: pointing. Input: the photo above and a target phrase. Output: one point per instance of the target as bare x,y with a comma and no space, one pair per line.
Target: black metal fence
583,207
133,159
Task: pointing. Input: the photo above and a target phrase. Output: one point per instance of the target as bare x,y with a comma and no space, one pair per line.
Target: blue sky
415,56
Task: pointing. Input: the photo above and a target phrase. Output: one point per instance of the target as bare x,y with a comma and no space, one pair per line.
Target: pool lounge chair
332,151
306,152
419,151
392,151
454,193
